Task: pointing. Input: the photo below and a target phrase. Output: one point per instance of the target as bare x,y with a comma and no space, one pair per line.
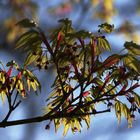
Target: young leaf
66,127
87,120
77,124
9,71
108,28
86,93
111,60
73,125
137,98
125,110
29,41
30,59
132,48
102,43
118,110
26,23
57,124
131,62
81,34
32,81
33,86
3,95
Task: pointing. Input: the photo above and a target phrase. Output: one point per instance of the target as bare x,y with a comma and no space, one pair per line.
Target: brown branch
83,72
44,118
12,107
44,39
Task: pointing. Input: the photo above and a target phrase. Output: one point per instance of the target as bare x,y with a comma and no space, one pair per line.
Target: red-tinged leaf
59,39
23,93
94,46
19,75
111,60
107,78
9,71
69,109
86,93
59,36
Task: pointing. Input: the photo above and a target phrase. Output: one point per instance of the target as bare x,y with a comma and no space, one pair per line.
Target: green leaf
137,98
103,44
88,99
131,62
66,26
53,95
132,48
66,127
65,21
108,28
28,84
129,122
110,86
37,83
118,110
33,81
29,41
2,78
30,59
80,34
73,125
77,124
99,82
26,23
3,95
87,120
12,63
125,110
33,86
56,101
57,124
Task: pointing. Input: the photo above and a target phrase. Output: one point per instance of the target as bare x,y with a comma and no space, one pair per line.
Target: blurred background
85,14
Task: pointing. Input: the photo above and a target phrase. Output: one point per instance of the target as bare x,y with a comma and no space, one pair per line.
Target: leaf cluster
84,80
